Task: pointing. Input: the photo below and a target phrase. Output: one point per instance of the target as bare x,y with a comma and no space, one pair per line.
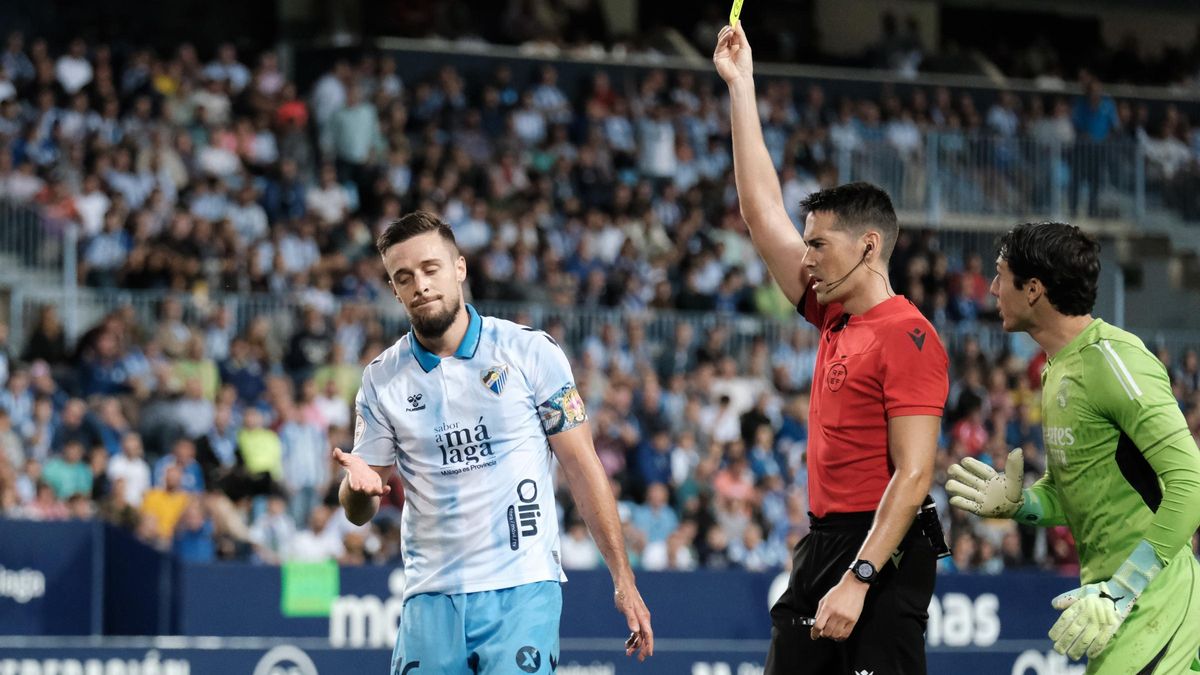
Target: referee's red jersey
888,362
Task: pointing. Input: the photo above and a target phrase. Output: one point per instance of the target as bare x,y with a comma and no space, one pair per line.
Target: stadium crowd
791,35
200,178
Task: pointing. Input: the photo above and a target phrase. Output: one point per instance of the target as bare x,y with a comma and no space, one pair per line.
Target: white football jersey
472,450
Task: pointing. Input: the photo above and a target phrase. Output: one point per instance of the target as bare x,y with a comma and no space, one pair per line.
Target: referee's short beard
435,326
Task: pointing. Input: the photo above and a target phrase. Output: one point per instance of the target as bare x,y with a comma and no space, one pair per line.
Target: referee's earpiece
870,247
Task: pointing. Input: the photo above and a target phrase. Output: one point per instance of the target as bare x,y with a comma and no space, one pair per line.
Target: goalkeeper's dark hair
858,207
413,225
1063,257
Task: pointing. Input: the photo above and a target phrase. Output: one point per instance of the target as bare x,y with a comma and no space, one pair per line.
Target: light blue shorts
513,630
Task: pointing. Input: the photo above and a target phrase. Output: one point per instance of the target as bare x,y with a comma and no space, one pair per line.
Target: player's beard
435,325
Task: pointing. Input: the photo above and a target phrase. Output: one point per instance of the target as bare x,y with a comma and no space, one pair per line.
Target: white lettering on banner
1033,662
592,669
22,585
956,620
150,664
368,620
285,660
726,669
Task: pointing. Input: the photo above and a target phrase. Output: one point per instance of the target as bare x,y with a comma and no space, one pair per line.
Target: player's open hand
976,487
838,611
732,55
362,478
641,636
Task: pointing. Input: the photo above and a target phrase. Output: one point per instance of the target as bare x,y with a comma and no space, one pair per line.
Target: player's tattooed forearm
563,411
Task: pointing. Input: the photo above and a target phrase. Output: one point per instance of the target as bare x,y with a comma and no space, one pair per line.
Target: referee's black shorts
889,638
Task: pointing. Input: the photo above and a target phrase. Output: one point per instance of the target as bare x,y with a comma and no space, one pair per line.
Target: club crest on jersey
1062,397
495,378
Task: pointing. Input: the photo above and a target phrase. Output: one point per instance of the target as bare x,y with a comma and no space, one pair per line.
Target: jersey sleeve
1131,388
915,371
374,438
559,405
812,311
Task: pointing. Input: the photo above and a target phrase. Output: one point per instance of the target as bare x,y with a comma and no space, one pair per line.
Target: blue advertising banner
77,579
305,656
707,623
51,576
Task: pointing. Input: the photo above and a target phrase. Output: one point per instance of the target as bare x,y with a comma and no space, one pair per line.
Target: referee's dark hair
412,225
1063,257
858,207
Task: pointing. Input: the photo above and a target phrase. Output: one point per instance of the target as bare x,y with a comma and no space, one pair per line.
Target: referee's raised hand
360,476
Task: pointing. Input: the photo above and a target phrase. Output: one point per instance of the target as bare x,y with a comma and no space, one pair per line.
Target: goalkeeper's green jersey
1113,431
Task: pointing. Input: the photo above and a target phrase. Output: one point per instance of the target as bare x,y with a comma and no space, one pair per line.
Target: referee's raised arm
761,200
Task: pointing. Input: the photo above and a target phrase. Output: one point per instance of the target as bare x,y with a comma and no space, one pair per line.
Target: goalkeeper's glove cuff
1030,512
1138,570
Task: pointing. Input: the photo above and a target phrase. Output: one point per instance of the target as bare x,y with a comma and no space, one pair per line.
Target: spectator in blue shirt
656,519
193,542
654,458
244,372
1095,119
183,455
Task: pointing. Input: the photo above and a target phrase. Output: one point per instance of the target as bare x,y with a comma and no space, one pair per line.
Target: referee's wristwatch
864,571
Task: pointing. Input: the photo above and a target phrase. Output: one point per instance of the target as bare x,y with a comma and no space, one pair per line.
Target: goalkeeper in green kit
1122,469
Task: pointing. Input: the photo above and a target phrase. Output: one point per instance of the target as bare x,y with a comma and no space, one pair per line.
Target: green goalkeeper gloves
977,488
1091,615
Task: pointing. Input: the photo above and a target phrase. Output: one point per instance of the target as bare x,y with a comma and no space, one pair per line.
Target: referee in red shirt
866,571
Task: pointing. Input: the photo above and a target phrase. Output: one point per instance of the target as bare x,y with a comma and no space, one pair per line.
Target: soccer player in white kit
470,408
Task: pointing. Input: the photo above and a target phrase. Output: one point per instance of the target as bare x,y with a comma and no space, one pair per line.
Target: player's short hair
858,207
1063,257
412,225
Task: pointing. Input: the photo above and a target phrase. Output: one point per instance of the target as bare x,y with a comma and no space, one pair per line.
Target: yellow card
735,12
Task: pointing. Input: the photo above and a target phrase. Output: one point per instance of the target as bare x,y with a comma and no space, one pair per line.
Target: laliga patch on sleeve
360,425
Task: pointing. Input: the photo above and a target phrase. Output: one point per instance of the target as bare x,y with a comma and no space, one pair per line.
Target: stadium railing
283,312
959,179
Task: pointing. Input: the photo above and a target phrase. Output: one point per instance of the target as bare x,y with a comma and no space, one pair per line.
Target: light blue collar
466,348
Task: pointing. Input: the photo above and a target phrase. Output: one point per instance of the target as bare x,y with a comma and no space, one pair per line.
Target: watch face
864,570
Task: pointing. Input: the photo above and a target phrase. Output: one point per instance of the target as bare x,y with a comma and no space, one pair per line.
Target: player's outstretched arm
761,200
592,494
362,487
977,488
